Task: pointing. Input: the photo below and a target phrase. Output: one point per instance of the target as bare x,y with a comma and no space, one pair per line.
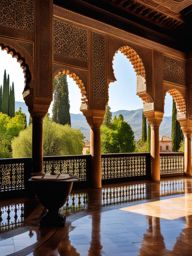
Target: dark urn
52,191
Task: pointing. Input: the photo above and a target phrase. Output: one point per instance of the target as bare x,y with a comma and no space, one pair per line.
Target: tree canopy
176,132
57,140
144,129
9,128
108,116
118,138
61,106
7,96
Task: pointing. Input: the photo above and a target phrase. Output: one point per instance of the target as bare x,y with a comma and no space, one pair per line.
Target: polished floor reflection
146,219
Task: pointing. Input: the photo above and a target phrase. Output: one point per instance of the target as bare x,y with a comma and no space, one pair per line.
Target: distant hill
133,117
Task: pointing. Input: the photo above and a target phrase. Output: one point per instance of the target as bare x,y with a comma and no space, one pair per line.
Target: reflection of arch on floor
78,81
179,100
139,68
21,61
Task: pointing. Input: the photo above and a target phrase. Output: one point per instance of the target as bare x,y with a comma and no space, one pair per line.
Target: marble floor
143,218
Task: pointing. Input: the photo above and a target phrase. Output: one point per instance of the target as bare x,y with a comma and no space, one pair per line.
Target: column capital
186,126
94,117
154,117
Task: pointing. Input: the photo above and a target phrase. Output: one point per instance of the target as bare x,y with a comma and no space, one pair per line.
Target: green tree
144,129
108,116
9,128
61,106
141,146
149,138
12,101
1,98
5,97
57,140
176,133
119,138
22,116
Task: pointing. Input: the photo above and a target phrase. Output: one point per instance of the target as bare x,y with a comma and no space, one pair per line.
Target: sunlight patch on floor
169,209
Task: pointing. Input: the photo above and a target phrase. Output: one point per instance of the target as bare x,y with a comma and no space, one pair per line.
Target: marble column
187,154
95,119
154,119
186,126
37,144
95,150
155,152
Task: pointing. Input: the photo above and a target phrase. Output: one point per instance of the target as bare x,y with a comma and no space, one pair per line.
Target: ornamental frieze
98,70
70,41
17,14
174,71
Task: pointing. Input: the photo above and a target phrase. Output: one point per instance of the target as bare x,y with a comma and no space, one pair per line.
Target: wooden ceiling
166,21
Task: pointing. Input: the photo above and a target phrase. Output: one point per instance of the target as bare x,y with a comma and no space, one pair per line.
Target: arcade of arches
47,39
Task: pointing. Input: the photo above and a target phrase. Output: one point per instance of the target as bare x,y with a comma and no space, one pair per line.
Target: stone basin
52,191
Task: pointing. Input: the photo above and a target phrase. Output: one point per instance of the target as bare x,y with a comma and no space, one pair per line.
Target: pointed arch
139,69
79,82
135,60
21,61
179,101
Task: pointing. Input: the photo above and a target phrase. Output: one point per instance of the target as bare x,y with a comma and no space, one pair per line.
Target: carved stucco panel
70,40
17,14
99,83
174,71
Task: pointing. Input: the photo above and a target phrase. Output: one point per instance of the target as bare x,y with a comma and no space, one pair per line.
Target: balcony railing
172,164
125,166
14,173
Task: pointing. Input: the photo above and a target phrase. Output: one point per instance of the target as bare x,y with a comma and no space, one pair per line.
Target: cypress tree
176,132
179,133
61,104
144,128
12,101
5,98
149,138
173,129
108,116
1,98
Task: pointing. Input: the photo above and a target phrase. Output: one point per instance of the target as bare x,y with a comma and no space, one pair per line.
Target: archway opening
14,115
171,136
125,104
66,118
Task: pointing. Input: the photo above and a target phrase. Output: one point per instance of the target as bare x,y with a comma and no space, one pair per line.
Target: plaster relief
98,82
17,14
174,71
70,41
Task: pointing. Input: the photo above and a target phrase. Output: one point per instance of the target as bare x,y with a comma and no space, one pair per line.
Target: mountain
133,117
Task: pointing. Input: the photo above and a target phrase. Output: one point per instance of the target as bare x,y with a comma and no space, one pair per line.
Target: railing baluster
14,173
171,164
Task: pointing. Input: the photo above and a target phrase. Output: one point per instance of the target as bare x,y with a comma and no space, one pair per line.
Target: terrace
122,204
129,218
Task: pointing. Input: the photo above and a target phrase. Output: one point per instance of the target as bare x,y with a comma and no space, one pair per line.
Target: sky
122,92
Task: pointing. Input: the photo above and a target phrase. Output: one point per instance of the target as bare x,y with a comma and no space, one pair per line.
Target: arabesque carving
17,14
139,68
69,40
135,60
79,82
98,71
174,71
